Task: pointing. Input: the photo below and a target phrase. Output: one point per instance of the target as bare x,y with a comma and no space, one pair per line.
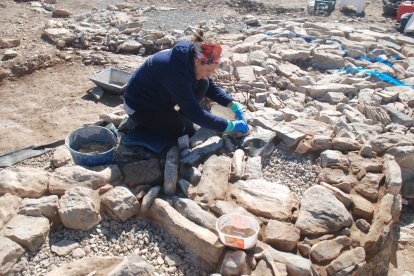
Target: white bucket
238,223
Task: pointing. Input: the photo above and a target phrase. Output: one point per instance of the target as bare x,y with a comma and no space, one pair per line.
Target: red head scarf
208,53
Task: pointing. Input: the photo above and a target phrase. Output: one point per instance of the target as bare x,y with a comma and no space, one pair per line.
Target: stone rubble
324,171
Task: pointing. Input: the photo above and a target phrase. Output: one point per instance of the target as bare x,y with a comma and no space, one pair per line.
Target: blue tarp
378,59
379,75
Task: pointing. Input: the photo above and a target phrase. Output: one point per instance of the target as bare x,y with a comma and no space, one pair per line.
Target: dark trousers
169,123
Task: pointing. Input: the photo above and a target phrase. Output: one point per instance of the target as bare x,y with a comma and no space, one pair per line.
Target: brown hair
198,36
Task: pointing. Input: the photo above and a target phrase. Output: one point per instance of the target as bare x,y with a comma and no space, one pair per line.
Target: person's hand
238,126
238,109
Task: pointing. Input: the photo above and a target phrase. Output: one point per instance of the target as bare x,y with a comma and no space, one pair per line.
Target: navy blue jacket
167,78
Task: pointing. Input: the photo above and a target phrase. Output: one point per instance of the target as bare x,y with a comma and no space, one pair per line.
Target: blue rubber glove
238,109
237,126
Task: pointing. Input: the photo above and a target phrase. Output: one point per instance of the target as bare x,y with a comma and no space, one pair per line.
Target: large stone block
321,213
121,203
203,243
142,172
24,182
79,208
263,198
10,253
29,232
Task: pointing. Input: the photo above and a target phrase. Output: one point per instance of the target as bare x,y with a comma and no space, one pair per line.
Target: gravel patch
40,162
113,238
293,170
177,19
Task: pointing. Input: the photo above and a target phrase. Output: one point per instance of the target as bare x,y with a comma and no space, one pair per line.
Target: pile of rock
114,29
358,127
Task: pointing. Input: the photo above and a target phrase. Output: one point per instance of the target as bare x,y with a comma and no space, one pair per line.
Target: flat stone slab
215,177
68,177
10,253
24,182
203,243
211,146
264,198
321,212
30,232
8,207
64,247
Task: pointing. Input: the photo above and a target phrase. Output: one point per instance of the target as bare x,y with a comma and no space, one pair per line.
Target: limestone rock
64,247
201,136
362,207
9,54
209,147
237,165
129,46
202,242
9,42
281,235
363,225
214,180
61,157
187,188
380,229
171,171
260,142
321,213
67,177
61,12
347,261
369,186
132,265
341,196
24,182
393,178
234,263
289,135
296,265
191,174
327,61
79,208
345,144
334,98
142,172
359,163
10,253
263,198
338,178
47,206
404,156
115,118
8,207
333,158
262,269
192,211
149,198
311,127
85,266
120,202
29,232
386,141
319,90
222,207
328,250
254,167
